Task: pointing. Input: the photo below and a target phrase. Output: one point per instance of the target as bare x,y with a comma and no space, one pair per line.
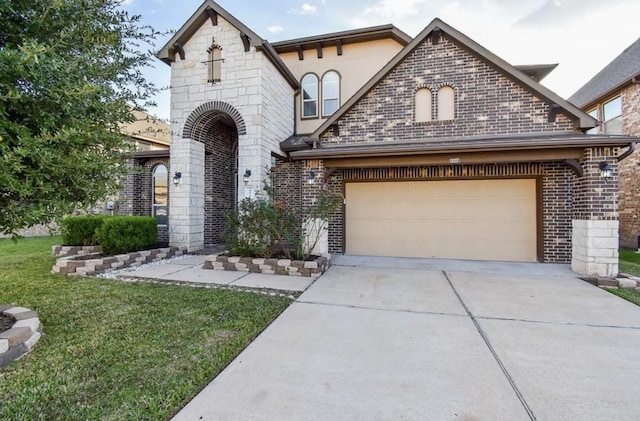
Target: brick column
595,217
315,228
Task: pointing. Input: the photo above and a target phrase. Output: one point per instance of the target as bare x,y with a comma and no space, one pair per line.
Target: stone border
85,265
23,335
622,281
74,250
311,268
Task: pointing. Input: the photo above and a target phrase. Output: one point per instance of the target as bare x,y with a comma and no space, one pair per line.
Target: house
439,147
613,97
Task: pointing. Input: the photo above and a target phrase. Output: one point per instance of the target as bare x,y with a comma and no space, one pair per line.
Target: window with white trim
423,105
160,192
593,113
330,93
309,96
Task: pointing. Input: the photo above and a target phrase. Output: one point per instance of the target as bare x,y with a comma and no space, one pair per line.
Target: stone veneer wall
630,171
251,87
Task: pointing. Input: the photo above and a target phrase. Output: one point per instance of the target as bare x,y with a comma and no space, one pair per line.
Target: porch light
605,170
176,178
312,177
247,176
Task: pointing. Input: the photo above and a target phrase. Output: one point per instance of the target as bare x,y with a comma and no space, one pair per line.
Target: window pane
160,185
161,213
330,106
613,126
612,109
310,109
593,113
310,87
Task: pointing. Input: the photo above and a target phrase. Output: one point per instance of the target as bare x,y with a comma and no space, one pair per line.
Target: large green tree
70,72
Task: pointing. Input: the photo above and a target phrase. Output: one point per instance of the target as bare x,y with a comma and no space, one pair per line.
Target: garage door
458,219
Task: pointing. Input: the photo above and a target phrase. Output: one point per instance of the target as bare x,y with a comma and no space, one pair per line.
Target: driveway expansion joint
485,338
546,322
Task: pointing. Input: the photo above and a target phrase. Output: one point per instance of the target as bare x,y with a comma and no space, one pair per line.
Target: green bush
81,230
122,234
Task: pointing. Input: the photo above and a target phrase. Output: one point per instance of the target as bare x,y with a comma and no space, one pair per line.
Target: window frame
155,206
606,119
315,100
324,96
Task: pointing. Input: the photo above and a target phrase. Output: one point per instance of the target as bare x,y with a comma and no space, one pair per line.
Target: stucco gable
438,30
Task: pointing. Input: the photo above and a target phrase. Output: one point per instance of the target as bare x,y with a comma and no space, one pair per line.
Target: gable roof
191,26
371,33
614,76
582,120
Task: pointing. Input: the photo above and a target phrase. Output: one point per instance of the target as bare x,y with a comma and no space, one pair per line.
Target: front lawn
115,351
629,263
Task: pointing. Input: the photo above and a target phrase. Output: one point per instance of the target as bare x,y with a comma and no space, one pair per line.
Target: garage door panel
465,219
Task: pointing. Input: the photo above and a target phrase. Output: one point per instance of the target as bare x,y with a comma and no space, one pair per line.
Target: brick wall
629,182
487,102
594,197
557,180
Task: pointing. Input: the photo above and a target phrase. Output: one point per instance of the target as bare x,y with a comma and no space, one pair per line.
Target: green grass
116,351
629,263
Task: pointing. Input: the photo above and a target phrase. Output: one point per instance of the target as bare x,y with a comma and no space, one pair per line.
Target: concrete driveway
406,339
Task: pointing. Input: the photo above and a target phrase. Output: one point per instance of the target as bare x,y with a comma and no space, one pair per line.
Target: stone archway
217,125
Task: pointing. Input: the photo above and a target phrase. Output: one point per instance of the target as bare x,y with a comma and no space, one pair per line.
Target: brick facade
629,183
487,102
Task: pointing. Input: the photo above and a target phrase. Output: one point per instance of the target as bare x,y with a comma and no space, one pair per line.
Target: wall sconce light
247,176
605,170
312,178
176,178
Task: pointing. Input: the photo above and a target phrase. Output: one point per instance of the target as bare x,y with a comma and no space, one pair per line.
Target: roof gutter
628,152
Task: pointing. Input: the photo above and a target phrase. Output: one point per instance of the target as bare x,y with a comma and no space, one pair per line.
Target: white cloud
127,2
394,9
305,9
275,29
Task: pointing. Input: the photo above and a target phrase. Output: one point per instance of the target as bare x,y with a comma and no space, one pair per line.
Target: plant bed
314,266
20,329
95,263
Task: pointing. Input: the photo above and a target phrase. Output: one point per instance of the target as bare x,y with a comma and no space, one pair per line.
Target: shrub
81,230
122,234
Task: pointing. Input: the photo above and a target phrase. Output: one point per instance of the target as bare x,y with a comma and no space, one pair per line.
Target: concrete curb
23,335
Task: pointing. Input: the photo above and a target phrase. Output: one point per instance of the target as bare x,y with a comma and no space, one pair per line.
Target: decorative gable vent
214,63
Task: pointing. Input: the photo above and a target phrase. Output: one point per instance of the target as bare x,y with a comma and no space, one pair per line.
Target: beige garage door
461,219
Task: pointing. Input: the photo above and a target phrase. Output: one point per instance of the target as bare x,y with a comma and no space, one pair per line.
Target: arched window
446,103
423,105
215,65
160,191
309,96
330,93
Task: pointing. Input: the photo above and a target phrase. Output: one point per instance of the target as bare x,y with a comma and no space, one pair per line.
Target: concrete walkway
411,343
190,270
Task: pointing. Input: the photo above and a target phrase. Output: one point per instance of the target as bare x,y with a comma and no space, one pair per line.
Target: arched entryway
217,125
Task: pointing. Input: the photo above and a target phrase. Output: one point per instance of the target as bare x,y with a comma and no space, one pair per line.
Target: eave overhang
464,145
158,153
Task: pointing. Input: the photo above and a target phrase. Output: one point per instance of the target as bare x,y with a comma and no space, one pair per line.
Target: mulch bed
5,322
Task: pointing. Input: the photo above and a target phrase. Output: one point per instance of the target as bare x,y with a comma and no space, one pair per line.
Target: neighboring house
440,148
145,192
613,97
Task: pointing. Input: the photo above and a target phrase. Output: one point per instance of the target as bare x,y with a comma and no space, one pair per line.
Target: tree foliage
70,73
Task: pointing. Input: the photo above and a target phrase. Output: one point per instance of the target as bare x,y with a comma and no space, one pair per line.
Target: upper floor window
423,105
612,116
214,65
310,96
330,93
160,191
593,113
446,103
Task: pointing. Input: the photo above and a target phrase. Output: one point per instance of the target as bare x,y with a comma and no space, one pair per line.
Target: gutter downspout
628,152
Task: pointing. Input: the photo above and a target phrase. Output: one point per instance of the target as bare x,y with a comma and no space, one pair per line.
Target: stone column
186,207
595,217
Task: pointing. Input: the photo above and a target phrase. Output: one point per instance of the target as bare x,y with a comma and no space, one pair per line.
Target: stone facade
630,171
250,88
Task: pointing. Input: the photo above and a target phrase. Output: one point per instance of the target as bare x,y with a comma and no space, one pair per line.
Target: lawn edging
21,337
94,263
74,250
622,281
308,268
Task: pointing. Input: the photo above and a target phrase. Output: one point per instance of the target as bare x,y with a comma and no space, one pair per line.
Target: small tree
70,71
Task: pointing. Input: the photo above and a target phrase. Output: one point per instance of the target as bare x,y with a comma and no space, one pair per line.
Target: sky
583,36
